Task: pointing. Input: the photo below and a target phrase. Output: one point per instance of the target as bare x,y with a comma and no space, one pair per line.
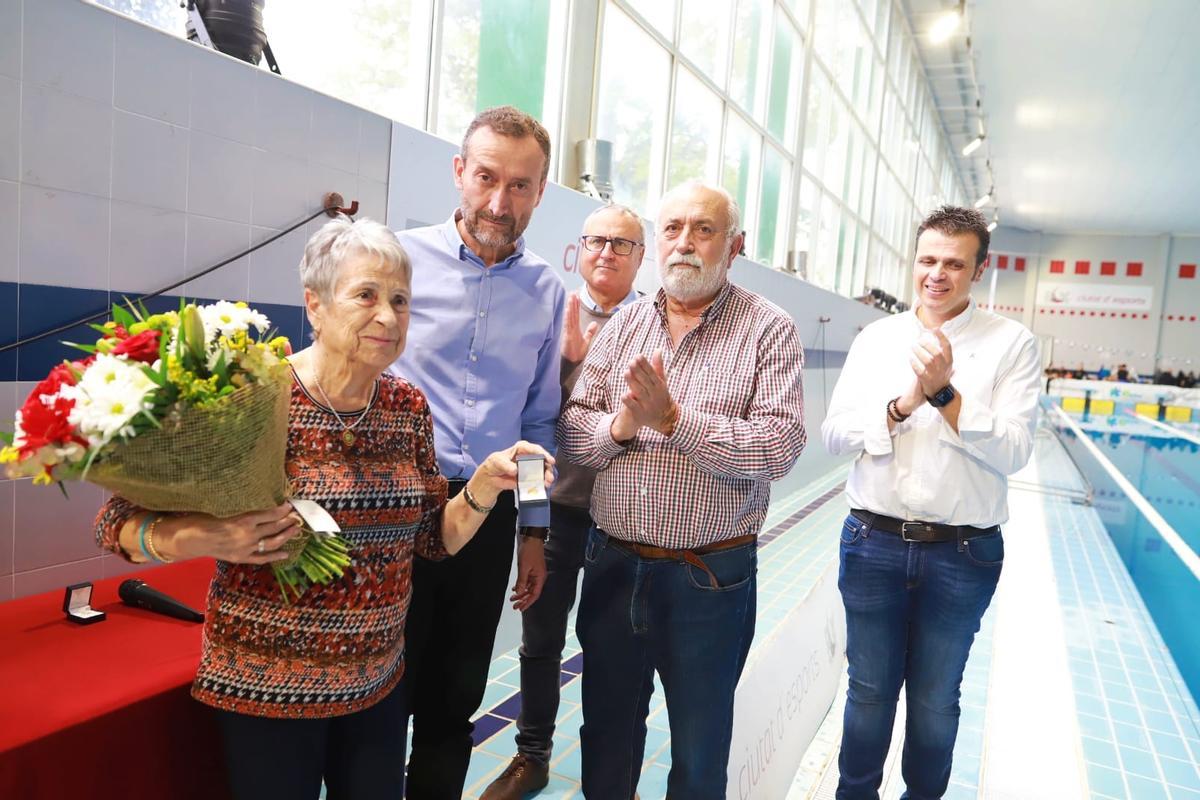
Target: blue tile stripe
506,711
27,309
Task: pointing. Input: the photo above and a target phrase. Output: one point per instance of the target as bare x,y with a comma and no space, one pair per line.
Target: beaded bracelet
893,411
154,553
473,503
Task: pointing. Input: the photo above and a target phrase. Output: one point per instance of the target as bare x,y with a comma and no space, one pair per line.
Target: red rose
143,347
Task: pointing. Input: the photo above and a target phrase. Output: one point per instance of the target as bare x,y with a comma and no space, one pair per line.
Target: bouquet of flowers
184,411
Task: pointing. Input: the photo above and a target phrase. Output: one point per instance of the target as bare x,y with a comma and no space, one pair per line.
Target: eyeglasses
621,247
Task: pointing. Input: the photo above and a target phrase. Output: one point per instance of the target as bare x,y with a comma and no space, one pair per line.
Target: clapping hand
575,343
932,362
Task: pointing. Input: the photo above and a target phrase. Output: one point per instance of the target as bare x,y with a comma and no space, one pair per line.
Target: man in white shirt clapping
939,404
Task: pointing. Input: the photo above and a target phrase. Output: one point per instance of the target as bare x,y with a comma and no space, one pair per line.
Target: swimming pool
1165,469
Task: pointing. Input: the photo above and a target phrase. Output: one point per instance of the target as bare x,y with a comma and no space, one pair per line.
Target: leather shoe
522,776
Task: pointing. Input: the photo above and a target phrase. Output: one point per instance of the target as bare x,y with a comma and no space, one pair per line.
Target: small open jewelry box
77,605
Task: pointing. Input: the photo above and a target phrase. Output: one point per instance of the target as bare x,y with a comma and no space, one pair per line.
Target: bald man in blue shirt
483,345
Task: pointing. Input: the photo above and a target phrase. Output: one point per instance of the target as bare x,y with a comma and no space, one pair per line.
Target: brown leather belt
920,531
691,557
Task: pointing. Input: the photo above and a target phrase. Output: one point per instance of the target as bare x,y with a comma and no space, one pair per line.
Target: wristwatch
942,397
534,532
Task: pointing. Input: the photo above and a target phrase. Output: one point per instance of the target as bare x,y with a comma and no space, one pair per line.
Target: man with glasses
611,252
688,405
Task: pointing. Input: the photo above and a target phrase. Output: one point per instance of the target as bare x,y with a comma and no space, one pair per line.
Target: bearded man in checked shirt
938,405
689,405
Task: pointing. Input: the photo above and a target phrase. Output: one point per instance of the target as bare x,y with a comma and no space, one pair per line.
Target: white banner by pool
1095,295
786,689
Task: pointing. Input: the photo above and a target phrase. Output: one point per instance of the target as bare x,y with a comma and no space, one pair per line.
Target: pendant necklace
348,435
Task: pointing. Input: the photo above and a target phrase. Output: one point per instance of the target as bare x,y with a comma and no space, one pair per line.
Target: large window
814,114
633,109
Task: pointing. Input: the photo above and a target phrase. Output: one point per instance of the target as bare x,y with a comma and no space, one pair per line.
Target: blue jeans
912,612
638,616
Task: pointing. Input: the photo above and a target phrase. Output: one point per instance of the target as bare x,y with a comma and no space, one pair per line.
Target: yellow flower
9,455
42,479
138,327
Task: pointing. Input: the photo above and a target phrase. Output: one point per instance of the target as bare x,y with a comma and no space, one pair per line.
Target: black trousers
450,632
359,755
544,631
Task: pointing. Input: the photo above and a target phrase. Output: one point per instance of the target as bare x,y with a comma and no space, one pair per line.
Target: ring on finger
262,546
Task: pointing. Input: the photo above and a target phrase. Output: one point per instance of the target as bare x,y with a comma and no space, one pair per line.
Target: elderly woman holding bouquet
309,689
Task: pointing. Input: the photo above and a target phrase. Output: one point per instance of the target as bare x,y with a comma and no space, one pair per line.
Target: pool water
1166,470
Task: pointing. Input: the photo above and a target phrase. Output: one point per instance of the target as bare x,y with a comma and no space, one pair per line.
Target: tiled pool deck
1069,691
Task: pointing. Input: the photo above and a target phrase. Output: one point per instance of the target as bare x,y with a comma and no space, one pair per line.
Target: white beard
696,281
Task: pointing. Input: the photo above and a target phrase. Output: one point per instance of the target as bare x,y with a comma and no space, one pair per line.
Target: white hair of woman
340,237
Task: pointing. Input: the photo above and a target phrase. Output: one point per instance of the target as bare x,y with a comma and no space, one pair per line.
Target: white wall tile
322,180
335,134
58,577
372,200
220,178
9,218
148,247
374,146
6,518
64,238
274,270
222,95
152,70
8,409
10,128
66,141
113,566
150,161
68,45
10,38
52,529
282,116
208,242
283,190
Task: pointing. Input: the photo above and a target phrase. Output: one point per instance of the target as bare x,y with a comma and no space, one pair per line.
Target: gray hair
337,239
731,206
617,208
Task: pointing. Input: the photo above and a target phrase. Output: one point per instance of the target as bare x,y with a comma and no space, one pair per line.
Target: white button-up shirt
923,470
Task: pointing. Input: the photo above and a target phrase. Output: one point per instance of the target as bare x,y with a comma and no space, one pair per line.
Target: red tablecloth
104,710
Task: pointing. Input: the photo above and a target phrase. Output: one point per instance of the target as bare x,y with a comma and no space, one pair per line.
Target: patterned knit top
340,647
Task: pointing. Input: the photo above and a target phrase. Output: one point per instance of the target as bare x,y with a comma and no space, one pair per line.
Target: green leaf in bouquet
87,348
122,317
221,370
159,376
7,437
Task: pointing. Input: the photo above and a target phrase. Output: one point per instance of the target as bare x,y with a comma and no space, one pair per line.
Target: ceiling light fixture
973,145
983,201
944,27
993,224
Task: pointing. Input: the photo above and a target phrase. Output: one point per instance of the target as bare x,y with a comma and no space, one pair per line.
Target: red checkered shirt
736,380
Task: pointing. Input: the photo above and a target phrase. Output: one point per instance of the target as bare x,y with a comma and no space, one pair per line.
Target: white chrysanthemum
225,319
110,393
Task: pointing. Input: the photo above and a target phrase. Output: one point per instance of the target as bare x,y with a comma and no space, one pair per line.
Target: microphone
135,592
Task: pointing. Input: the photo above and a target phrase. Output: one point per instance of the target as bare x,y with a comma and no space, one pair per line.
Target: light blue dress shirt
484,346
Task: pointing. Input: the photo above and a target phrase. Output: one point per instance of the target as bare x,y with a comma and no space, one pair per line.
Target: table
104,710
